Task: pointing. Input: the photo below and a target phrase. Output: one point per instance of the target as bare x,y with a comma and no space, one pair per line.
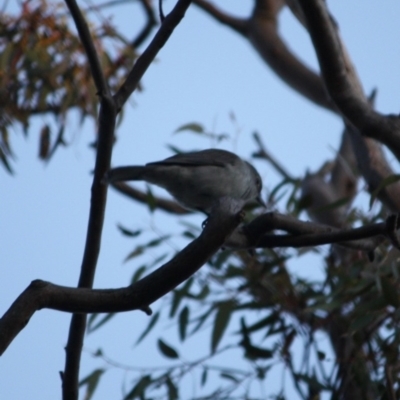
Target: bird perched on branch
198,179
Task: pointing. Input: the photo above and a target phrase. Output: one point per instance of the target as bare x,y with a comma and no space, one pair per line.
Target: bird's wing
215,157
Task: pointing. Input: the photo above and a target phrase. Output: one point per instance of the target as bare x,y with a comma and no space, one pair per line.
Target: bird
197,180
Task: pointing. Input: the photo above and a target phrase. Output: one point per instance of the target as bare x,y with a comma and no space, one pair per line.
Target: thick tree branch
144,61
261,29
341,82
39,294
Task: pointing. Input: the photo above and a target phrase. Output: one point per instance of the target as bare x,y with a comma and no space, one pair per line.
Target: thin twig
266,155
144,61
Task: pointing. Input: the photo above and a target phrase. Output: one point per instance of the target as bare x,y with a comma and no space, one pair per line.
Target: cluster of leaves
256,304
44,71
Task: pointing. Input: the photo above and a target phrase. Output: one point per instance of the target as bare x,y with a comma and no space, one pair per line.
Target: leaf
362,322
106,318
205,291
264,322
255,352
178,295
91,381
204,376
150,199
139,388
167,350
172,389
201,319
390,292
231,377
193,127
138,250
390,180
150,326
222,317
128,232
4,160
138,273
183,322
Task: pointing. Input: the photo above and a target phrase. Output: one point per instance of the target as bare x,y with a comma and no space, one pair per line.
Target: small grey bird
198,179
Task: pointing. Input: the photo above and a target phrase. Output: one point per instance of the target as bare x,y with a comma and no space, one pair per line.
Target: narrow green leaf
177,296
390,292
172,389
150,326
231,377
264,322
167,350
390,180
138,273
92,327
183,322
128,232
4,160
138,390
201,319
222,317
362,322
193,127
91,382
204,376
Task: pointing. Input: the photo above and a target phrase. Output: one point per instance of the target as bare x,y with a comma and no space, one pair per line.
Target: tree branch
239,25
107,118
261,29
256,233
87,42
39,294
151,22
144,61
341,81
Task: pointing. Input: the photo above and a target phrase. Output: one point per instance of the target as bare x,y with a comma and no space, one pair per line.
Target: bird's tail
133,173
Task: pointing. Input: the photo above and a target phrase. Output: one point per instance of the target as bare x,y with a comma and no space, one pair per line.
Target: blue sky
203,74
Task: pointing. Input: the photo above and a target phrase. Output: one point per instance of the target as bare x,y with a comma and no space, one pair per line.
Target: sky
205,73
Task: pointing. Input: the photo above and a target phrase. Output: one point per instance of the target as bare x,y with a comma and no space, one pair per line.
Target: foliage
43,71
257,305
250,302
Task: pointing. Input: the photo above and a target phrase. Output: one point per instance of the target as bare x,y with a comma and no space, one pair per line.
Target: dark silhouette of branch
107,118
223,220
144,61
239,25
261,29
106,123
150,24
87,42
342,82
257,233
167,205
